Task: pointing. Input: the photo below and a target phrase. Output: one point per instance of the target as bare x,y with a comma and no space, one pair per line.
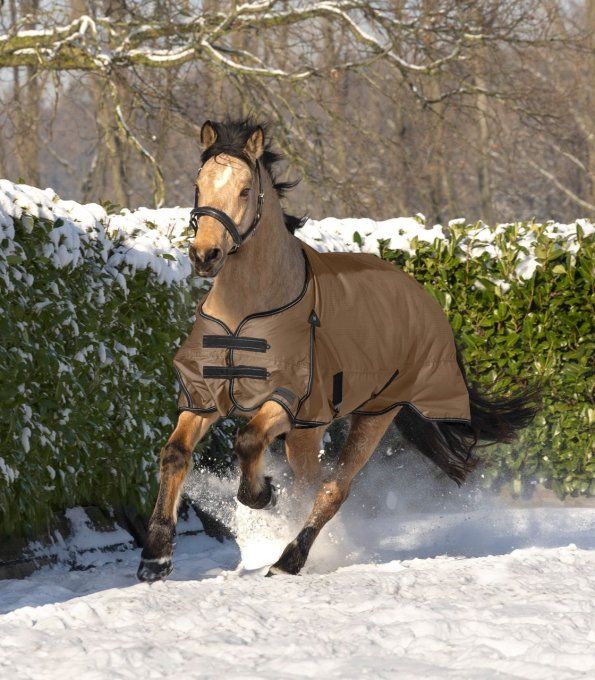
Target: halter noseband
225,219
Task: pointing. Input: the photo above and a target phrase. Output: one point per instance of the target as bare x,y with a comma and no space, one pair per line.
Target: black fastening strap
229,372
337,391
233,342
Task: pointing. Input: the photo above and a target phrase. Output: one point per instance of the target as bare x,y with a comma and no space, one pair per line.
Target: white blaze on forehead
223,177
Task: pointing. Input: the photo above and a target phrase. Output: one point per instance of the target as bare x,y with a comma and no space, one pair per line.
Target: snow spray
400,507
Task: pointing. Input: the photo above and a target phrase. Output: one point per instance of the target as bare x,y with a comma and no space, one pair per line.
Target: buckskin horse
291,339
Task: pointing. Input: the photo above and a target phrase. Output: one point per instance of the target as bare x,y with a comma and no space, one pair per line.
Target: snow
87,538
9,474
411,580
401,233
142,239
523,615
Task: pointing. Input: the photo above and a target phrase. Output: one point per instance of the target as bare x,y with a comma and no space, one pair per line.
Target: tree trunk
590,89
484,179
108,176
27,100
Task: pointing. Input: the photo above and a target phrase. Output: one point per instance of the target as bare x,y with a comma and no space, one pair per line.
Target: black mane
232,136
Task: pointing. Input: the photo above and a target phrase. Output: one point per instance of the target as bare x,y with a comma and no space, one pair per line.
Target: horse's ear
208,134
255,144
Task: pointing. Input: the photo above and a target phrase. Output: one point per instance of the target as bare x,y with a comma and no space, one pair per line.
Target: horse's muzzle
208,272
209,264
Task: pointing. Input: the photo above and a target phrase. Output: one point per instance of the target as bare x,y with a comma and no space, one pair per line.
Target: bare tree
26,103
384,107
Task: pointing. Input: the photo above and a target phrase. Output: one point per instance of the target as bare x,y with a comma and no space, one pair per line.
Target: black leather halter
225,219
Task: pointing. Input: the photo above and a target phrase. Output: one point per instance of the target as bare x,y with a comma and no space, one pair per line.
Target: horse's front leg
302,448
256,490
156,556
364,435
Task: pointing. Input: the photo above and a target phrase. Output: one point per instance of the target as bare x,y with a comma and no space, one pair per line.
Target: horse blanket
362,337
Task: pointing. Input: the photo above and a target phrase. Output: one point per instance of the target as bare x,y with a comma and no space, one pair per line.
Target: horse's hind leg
364,435
156,557
302,448
256,490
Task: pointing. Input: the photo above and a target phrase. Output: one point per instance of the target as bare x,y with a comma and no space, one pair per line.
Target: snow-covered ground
412,580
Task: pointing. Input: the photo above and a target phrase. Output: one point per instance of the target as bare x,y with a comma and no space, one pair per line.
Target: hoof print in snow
157,569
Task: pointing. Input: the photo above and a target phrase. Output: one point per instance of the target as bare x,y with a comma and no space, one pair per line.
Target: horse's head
228,186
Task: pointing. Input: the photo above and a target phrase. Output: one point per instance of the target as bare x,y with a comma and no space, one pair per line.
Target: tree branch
565,190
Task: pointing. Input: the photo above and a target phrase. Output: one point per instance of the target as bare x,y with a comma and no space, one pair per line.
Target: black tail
450,444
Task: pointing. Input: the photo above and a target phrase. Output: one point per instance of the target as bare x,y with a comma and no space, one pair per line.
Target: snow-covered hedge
92,306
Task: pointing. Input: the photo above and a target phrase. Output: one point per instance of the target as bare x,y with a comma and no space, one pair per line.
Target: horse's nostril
211,255
202,261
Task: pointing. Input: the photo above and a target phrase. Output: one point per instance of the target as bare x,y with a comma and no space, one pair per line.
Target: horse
290,339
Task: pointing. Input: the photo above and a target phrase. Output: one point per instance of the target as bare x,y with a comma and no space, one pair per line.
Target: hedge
86,384
523,318
92,307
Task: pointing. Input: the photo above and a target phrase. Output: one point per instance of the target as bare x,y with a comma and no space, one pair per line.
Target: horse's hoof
295,554
267,498
155,569
277,571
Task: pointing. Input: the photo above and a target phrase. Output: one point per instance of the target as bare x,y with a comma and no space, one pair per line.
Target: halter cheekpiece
224,219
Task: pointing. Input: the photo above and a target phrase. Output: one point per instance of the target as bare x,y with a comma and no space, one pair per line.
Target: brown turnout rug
362,337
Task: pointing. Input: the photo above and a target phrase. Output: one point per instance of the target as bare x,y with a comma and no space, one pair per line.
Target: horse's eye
244,192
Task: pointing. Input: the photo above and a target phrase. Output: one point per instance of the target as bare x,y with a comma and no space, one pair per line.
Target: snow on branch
102,43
